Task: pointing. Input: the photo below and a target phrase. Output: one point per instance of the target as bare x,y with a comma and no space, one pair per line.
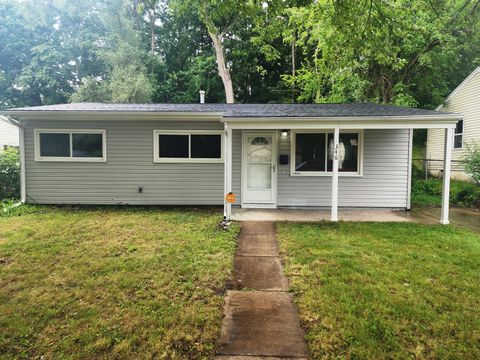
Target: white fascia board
113,115
430,122
458,88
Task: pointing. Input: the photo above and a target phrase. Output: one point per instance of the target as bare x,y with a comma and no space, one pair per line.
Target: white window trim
358,173
158,159
459,134
70,158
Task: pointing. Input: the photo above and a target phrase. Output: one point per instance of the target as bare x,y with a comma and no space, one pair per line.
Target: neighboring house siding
8,134
384,182
467,103
129,165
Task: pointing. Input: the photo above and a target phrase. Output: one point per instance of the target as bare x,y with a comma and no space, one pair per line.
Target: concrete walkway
261,320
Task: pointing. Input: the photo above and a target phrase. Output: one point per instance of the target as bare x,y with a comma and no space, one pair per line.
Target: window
70,145
458,137
312,153
188,146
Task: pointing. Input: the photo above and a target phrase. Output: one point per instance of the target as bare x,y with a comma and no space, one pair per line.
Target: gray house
268,155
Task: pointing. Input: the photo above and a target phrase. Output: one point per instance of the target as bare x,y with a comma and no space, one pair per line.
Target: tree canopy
405,52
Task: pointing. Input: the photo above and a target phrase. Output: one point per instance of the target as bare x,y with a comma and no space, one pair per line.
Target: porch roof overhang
439,121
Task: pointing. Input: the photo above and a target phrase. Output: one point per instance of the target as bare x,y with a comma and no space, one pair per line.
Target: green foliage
401,52
10,208
9,174
471,161
429,193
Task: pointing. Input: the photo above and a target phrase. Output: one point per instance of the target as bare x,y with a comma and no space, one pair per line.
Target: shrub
14,208
9,174
471,161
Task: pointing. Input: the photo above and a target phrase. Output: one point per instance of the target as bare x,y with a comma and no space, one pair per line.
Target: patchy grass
112,283
429,193
385,290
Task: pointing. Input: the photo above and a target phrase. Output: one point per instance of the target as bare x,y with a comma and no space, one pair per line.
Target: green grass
112,283
385,290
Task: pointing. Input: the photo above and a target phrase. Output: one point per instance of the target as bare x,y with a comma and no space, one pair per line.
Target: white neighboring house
8,134
465,100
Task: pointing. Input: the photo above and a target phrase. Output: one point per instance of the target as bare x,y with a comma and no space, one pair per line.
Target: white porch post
336,140
447,159
227,207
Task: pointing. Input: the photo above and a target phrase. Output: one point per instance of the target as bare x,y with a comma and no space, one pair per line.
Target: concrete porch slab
307,215
261,323
259,273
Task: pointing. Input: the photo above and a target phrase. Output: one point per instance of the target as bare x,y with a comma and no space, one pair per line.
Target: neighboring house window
312,153
188,146
70,145
458,137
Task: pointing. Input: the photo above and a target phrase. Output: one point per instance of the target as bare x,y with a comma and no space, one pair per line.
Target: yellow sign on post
230,198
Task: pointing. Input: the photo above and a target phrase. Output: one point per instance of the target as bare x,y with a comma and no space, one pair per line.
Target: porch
291,178
315,215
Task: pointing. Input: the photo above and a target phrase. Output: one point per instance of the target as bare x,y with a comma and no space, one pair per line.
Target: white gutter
112,115
439,117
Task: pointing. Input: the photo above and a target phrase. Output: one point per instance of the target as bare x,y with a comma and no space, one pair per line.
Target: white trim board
249,204
293,172
158,159
70,158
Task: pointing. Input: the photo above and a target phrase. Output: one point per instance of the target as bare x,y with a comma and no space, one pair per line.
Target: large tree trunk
222,68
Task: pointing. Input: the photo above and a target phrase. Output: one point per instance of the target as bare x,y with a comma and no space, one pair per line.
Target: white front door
259,169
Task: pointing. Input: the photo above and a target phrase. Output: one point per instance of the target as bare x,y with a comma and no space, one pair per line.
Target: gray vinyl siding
129,165
384,182
8,134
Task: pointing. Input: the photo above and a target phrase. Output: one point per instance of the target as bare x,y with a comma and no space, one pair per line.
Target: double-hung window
70,145
458,136
188,146
312,153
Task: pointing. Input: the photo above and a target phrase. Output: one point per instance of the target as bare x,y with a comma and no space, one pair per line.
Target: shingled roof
241,110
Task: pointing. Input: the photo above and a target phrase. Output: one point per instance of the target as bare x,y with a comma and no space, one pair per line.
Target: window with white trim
312,153
70,145
188,146
458,136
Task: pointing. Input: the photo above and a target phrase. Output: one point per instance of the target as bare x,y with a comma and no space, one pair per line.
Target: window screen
87,145
310,152
347,152
54,145
206,146
173,146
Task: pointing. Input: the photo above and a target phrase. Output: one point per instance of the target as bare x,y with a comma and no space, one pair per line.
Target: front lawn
385,290
112,283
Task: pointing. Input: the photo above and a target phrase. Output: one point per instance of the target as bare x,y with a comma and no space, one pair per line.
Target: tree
381,51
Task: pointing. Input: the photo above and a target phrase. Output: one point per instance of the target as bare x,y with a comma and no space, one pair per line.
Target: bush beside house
9,174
